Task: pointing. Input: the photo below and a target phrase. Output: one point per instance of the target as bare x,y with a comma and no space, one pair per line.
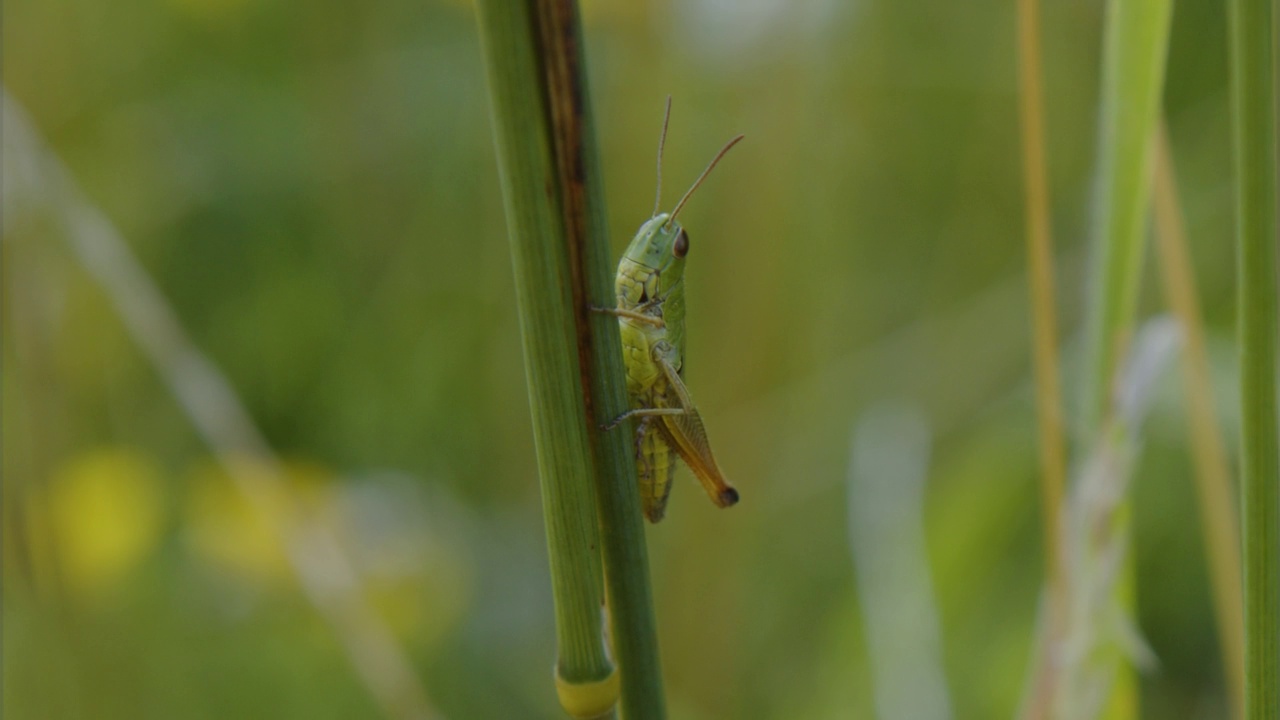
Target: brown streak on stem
599,349
562,55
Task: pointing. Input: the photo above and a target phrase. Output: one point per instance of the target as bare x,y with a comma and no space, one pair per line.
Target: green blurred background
314,191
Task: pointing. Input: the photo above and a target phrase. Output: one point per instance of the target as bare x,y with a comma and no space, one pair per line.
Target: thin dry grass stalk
1213,476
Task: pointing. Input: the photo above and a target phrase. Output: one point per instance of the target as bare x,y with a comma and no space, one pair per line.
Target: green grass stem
1252,42
634,632
559,231
543,282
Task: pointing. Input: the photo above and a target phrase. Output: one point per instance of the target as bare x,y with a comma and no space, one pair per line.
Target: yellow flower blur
106,515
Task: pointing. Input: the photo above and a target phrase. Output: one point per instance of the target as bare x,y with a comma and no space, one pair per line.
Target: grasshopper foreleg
631,315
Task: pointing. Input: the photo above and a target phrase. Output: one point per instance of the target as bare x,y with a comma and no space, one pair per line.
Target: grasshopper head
660,245
657,256
653,265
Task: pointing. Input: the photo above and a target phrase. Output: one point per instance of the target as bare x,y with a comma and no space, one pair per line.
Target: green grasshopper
650,311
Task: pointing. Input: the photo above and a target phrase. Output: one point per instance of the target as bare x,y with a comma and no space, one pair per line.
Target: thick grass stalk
626,562
1253,110
585,676
1134,53
1213,473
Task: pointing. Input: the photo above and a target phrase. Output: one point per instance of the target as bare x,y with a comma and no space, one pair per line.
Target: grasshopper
650,311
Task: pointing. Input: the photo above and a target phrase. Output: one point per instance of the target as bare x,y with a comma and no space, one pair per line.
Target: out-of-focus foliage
313,188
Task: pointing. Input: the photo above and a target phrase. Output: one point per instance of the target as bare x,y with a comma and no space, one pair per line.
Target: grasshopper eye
681,247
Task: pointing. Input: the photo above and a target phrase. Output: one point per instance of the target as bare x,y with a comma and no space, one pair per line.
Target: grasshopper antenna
662,140
702,177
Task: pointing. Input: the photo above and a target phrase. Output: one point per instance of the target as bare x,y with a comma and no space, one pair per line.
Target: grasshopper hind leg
686,435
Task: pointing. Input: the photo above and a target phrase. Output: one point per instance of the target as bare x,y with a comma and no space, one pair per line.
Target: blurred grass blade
1157,341
1099,630
1213,473
634,634
1137,36
1253,90
315,554
888,467
1134,53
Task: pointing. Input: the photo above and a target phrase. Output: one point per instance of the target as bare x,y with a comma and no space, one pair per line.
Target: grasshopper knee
727,497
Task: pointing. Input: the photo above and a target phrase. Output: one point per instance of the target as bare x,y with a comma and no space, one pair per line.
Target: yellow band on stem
589,699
